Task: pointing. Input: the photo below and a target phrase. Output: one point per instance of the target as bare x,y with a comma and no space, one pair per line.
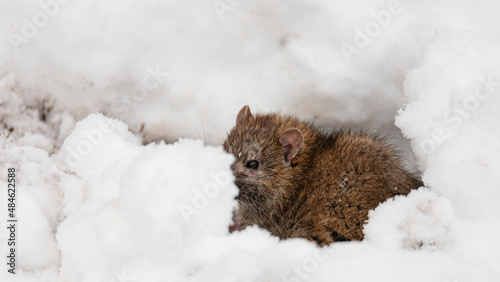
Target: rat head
267,150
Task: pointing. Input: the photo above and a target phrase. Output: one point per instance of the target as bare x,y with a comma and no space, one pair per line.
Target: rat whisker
201,121
194,126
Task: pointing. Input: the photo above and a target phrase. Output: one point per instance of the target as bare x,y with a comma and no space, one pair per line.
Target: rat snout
248,192
238,169
233,166
239,182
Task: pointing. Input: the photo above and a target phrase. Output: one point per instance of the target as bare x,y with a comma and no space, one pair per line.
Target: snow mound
451,117
38,206
140,204
422,220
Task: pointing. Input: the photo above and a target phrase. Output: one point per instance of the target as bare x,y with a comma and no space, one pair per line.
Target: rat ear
291,141
244,115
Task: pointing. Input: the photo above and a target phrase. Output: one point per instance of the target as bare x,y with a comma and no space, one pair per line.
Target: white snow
84,85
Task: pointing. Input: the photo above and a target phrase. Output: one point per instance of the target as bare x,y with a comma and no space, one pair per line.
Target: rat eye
252,164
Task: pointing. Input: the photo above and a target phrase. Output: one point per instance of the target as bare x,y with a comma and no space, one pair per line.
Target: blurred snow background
96,204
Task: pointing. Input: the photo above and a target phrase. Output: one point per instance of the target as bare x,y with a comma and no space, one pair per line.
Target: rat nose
238,169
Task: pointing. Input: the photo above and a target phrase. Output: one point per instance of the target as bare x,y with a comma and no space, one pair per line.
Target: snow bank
452,119
38,209
142,204
422,220
96,204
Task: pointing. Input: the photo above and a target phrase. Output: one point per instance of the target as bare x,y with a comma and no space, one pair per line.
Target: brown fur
324,192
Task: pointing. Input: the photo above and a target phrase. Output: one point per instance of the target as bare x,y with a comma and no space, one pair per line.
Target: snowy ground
94,203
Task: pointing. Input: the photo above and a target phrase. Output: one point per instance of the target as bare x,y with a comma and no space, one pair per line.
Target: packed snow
112,115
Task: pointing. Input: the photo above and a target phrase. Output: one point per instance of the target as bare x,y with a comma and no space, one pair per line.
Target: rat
296,181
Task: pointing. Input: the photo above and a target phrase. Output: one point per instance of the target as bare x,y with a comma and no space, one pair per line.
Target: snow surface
85,84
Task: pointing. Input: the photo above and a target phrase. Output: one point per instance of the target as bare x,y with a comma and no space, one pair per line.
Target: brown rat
298,182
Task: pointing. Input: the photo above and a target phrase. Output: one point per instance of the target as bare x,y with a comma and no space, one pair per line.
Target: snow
423,220
85,87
